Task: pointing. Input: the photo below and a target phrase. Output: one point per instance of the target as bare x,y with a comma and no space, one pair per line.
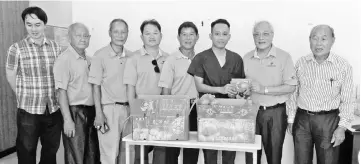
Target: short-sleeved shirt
35,88
139,72
71,74
206,66
274,70
175,77
107,70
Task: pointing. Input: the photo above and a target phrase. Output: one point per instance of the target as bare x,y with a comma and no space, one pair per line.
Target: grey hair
117,20
263,21
323,26
72,27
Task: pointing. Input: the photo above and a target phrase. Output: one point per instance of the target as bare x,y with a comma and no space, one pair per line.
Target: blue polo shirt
206,66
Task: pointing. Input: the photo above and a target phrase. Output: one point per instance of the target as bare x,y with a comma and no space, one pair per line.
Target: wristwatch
265,90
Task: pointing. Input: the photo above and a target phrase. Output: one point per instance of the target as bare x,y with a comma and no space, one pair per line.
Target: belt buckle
308,112
264,107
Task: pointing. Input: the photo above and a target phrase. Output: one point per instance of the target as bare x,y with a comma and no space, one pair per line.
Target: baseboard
7,151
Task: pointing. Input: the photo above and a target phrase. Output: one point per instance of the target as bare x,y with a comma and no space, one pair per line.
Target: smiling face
187,38
151,35
34,26
321,40
80,37
118,33
263,36
220,35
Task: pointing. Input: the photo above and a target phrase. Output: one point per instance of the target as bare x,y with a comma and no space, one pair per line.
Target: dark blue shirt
206,66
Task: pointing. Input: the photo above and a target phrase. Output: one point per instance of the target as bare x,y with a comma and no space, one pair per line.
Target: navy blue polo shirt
206,66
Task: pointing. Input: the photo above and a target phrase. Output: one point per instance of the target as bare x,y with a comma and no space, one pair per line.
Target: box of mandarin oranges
226,120
160,117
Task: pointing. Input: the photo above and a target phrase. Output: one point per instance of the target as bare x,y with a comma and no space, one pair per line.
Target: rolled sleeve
289,73
130,72
346,104
96,71
195,68
167,75
61,73
12,59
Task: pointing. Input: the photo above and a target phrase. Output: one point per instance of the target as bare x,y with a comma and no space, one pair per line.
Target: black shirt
206,66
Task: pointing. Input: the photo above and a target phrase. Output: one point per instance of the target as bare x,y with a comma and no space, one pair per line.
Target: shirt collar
272,52
143,52
113,54
179,55
330,58
45,41
72,50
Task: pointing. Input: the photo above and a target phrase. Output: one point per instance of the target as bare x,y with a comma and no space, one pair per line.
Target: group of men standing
94,95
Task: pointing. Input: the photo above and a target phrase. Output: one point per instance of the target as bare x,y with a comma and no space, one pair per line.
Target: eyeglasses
266,34
82,36
156,67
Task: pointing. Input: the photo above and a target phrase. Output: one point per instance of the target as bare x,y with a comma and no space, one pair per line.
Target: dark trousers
271,124
31,127
158,154
190,156
83,148
315,130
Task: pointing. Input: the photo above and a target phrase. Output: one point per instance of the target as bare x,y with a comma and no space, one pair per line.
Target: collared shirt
323,87
274,70
107,70
139,72
71,74
174,75
35,88
206,66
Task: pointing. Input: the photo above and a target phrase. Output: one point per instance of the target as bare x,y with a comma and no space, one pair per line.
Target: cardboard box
160,117
233,120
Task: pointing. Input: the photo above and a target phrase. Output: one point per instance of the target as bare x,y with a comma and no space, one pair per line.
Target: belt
271,107
122,103
317,113
81,106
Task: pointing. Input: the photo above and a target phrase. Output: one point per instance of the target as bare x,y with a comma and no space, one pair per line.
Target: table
193,143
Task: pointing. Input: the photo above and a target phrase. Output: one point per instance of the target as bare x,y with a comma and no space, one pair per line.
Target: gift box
231,120
160,117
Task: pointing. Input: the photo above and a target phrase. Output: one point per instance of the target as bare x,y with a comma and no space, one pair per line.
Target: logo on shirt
271,64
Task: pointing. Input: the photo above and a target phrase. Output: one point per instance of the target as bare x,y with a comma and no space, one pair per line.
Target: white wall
59,12
292,21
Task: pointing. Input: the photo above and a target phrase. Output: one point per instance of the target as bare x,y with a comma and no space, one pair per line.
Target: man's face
118,33
321,41
80,38
34,26
151,35
263,36
187,38
220,35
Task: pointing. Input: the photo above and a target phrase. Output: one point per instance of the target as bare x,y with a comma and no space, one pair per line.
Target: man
141,75
71,70
273,80
213,70
29,71
321,107
175,80
111,102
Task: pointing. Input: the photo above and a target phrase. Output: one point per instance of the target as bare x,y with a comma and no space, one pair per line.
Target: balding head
79,36
323,27
263,24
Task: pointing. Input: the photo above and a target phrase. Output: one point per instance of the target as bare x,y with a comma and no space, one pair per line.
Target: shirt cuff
164,85
344,123
61,85
93,80
291,119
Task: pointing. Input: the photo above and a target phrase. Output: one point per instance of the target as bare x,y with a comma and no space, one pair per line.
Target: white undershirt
221,59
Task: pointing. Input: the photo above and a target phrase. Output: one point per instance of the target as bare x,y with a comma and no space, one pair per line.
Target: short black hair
220,21
187,25
40,13
152,22
117,20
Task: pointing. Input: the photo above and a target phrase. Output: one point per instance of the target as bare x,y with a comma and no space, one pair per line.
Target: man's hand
229,89
69,128
290,127
257,88
338,136
99,120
